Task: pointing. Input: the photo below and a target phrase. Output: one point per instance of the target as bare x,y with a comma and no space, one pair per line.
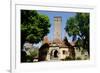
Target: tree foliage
34,26
78,25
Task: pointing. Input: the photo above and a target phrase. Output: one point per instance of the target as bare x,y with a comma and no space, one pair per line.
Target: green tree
78,25
34,26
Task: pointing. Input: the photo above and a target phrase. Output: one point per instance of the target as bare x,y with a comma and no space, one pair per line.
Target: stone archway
54,55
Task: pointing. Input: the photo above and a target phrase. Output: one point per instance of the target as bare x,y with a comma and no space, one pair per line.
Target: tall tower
57,27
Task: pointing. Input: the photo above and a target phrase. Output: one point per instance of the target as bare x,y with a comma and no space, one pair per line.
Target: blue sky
65,16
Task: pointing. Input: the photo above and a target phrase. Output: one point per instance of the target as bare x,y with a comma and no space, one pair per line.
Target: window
64,52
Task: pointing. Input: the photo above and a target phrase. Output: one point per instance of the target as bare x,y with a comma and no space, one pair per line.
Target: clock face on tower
57,27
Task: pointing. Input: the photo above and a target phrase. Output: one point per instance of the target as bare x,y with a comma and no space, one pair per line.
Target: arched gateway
54,54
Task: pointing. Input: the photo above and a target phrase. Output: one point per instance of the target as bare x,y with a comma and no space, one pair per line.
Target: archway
54,54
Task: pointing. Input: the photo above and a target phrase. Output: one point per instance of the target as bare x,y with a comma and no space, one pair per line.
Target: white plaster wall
63,56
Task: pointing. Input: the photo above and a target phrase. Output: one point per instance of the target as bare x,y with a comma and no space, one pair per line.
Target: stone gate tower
57,27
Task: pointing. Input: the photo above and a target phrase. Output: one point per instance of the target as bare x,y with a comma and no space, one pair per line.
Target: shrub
68,58
34,53
78,58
